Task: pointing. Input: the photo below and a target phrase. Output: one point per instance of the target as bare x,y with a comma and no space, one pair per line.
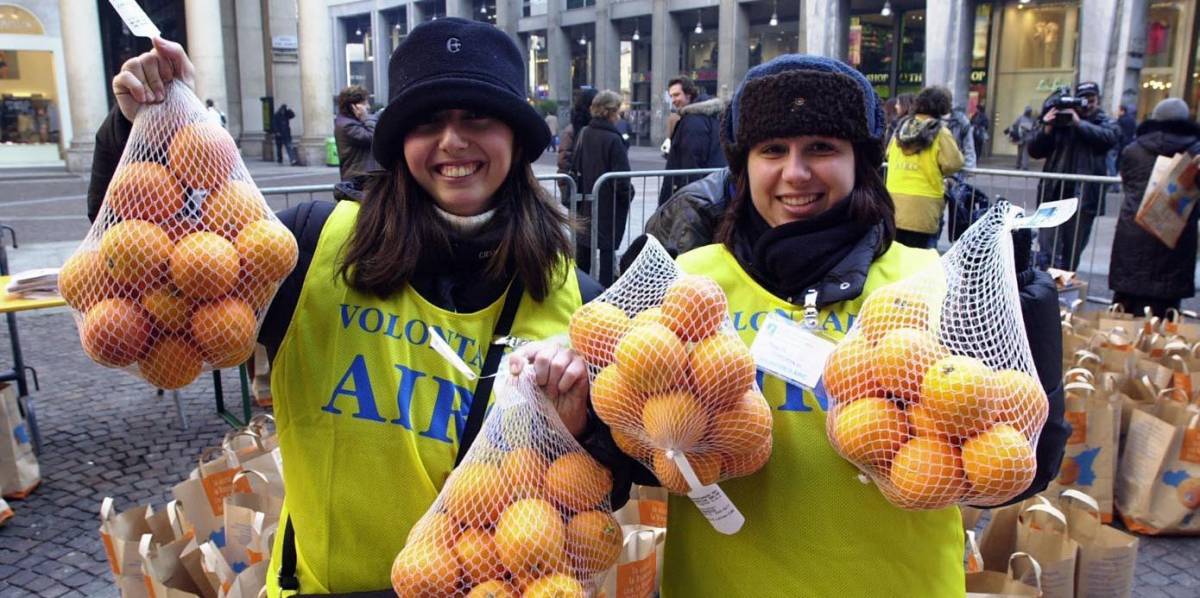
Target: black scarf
792,258
456,279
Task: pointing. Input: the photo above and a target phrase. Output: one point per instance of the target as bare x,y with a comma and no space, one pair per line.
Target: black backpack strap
491,364
287,559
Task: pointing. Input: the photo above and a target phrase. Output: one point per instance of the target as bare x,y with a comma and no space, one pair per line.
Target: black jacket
281,124
1079,149
1142,265
353,138
599,150
695,143
690,218
110,143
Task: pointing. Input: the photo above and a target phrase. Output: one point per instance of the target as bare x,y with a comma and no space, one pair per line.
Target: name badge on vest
790,351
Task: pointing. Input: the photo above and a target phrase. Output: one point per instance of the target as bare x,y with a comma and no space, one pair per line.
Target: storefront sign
912,78
978,76
883,78
284,43
1052,84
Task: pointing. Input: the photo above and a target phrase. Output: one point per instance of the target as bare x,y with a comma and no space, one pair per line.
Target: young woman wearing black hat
456,239
811,224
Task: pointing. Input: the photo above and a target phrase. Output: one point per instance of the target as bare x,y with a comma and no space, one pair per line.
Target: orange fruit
84,280
614,399
999,463
231,207
707,467
204,265
115,332
736,466
257,295
170,312
171,363
144,191
136,252
651,358
524,471
925,425
558,585
202,155
674,420
595,329
178,228
723,370
576,482
476,553
594,541
741,430
631,445
475,494
492,588
890,308
1023,403
425,570
694,307
436,527
848,373
529,537
224,330
869,431
901,358
268,250
650,315
927,473
960,394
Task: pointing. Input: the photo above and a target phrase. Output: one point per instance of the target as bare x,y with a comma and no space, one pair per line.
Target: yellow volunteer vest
915,183
812,528
369,416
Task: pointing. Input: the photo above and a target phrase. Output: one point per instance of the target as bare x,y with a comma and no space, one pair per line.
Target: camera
1064,104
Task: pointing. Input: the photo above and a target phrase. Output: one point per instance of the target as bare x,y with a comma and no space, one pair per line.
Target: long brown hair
397,223
869,200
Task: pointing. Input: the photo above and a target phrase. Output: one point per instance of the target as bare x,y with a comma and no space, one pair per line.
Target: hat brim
450,92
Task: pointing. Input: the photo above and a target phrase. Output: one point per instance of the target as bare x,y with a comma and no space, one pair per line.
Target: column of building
825,27
316,85
664,65
459,8
949,39
733,56
252,69
206,48
607,49
1122,80
558,45
85,79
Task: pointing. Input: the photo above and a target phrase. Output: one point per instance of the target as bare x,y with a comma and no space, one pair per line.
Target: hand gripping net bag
671,377
526,512
933,392
185,255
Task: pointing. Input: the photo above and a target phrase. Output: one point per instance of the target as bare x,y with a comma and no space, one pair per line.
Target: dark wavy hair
934,101
397,224
348,97
869,200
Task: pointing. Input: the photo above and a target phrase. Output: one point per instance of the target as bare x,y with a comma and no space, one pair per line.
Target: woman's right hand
143,79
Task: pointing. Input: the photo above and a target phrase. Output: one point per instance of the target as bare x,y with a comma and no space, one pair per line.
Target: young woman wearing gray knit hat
810,223
454,237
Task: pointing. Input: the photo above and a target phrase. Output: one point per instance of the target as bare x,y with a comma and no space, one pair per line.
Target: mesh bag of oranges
933,392
670,376
185,255
526,513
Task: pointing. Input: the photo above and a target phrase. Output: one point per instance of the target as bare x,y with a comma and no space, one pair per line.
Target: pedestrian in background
902,108
1021,132
921,155
599,149
552,124
581,115
281,127
214,112
981,132
1143,272
354,130
696,138
960,127
1128,125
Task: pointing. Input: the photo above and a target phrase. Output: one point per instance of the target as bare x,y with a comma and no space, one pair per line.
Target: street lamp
636,35
582,39
483,9
699,27
775,14
887,8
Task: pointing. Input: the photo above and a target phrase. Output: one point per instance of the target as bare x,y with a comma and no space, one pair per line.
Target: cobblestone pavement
105,433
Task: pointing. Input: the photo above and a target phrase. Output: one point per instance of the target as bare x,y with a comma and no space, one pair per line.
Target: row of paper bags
214,539
1133,402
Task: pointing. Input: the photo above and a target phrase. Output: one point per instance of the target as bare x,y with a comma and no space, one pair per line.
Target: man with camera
1075,137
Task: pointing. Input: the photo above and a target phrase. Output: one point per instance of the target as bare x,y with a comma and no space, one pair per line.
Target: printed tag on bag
220,485
1078,422
652,512
1049,214
135,18
790,351
1190,449
636,579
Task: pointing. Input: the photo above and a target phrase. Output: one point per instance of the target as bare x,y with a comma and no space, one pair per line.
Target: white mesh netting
525,513
185,255
670,375
933,392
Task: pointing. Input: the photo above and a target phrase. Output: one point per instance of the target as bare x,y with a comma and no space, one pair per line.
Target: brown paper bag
250,582
1107,556
6,512
647,505
1042,533
991,584
19,473
1090,458
1158,487
970,517
999,538
973,561
120,533
1168,201
203,497
244,514
1177,323
638,572
162,569
193,562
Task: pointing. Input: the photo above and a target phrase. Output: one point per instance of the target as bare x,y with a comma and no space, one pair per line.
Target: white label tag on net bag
439,344
711,500
790,351
135,18
1049,214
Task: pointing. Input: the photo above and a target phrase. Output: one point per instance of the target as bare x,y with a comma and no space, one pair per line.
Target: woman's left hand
562,374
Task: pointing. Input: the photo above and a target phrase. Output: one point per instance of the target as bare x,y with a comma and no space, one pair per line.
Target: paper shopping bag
638,572
19,473
1158,487
999,538
6,512
647,505
1167,203
1107,556
1090,457
120,533
992,584
249,583
246,513
163,571
203,497
1042,533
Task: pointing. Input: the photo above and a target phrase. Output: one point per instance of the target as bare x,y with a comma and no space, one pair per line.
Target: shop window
359,51
1162,32
1041,44
530,8
871,48
396,21
17,20
912,52
28,110
539,66
571,4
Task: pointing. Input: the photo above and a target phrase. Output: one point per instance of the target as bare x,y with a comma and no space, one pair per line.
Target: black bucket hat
456,63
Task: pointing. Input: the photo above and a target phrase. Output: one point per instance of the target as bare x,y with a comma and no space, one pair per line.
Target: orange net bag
526,512
185,255
671,377
933,393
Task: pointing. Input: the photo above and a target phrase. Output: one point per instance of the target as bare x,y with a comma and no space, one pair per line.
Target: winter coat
695,143
920,156
354,145
281,124
960,127
601,150
1080,149
690,218
110,143
1142,265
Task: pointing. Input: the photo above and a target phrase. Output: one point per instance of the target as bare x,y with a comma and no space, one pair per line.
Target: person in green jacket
921,155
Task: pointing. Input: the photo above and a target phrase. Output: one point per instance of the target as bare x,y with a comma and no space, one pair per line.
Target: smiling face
460,157
798,178
679,99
